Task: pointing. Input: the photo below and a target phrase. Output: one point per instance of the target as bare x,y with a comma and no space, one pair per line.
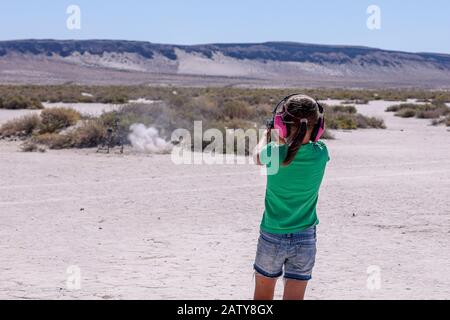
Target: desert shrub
263,112
54,140
406,113
178,100
443,120
341,121
398,107
346,123
20,102
113,99
90,134
237,109
428,114
422,111
20,127
394,108
206,107
342,109
220,108
347,118
440,101
358,101
56,119
364,122
121,94
30,146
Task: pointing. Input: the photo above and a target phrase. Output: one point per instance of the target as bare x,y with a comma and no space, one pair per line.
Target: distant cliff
266,64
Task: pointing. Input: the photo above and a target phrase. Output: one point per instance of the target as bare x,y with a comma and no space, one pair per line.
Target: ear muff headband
279,124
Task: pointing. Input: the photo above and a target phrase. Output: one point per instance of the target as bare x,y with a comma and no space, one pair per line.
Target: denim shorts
295,252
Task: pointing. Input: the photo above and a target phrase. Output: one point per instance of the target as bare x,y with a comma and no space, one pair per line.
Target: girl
295,166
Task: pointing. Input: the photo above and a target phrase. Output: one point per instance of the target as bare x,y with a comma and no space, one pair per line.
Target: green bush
56,119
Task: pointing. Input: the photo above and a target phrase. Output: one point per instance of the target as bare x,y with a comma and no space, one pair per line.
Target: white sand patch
92,109
142,101
140,227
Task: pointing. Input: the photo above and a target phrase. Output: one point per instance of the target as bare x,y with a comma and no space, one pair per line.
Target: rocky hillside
265,64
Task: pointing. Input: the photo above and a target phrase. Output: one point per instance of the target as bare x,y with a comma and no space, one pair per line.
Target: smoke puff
147,140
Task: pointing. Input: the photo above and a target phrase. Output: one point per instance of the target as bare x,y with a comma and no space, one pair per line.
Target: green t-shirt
292,191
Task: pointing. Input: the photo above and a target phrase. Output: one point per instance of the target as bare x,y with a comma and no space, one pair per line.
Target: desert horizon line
343,46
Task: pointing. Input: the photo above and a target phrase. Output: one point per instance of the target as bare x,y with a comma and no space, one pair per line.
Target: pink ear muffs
321,130
280,126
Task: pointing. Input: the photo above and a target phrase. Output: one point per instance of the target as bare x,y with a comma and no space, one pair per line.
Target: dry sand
141,227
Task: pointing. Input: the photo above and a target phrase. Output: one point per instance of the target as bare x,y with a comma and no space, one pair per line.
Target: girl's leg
264,288
294,289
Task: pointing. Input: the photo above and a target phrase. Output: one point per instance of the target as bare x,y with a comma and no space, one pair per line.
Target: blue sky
415,25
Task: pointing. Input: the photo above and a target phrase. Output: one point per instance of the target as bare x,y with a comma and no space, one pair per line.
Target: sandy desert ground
140,227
